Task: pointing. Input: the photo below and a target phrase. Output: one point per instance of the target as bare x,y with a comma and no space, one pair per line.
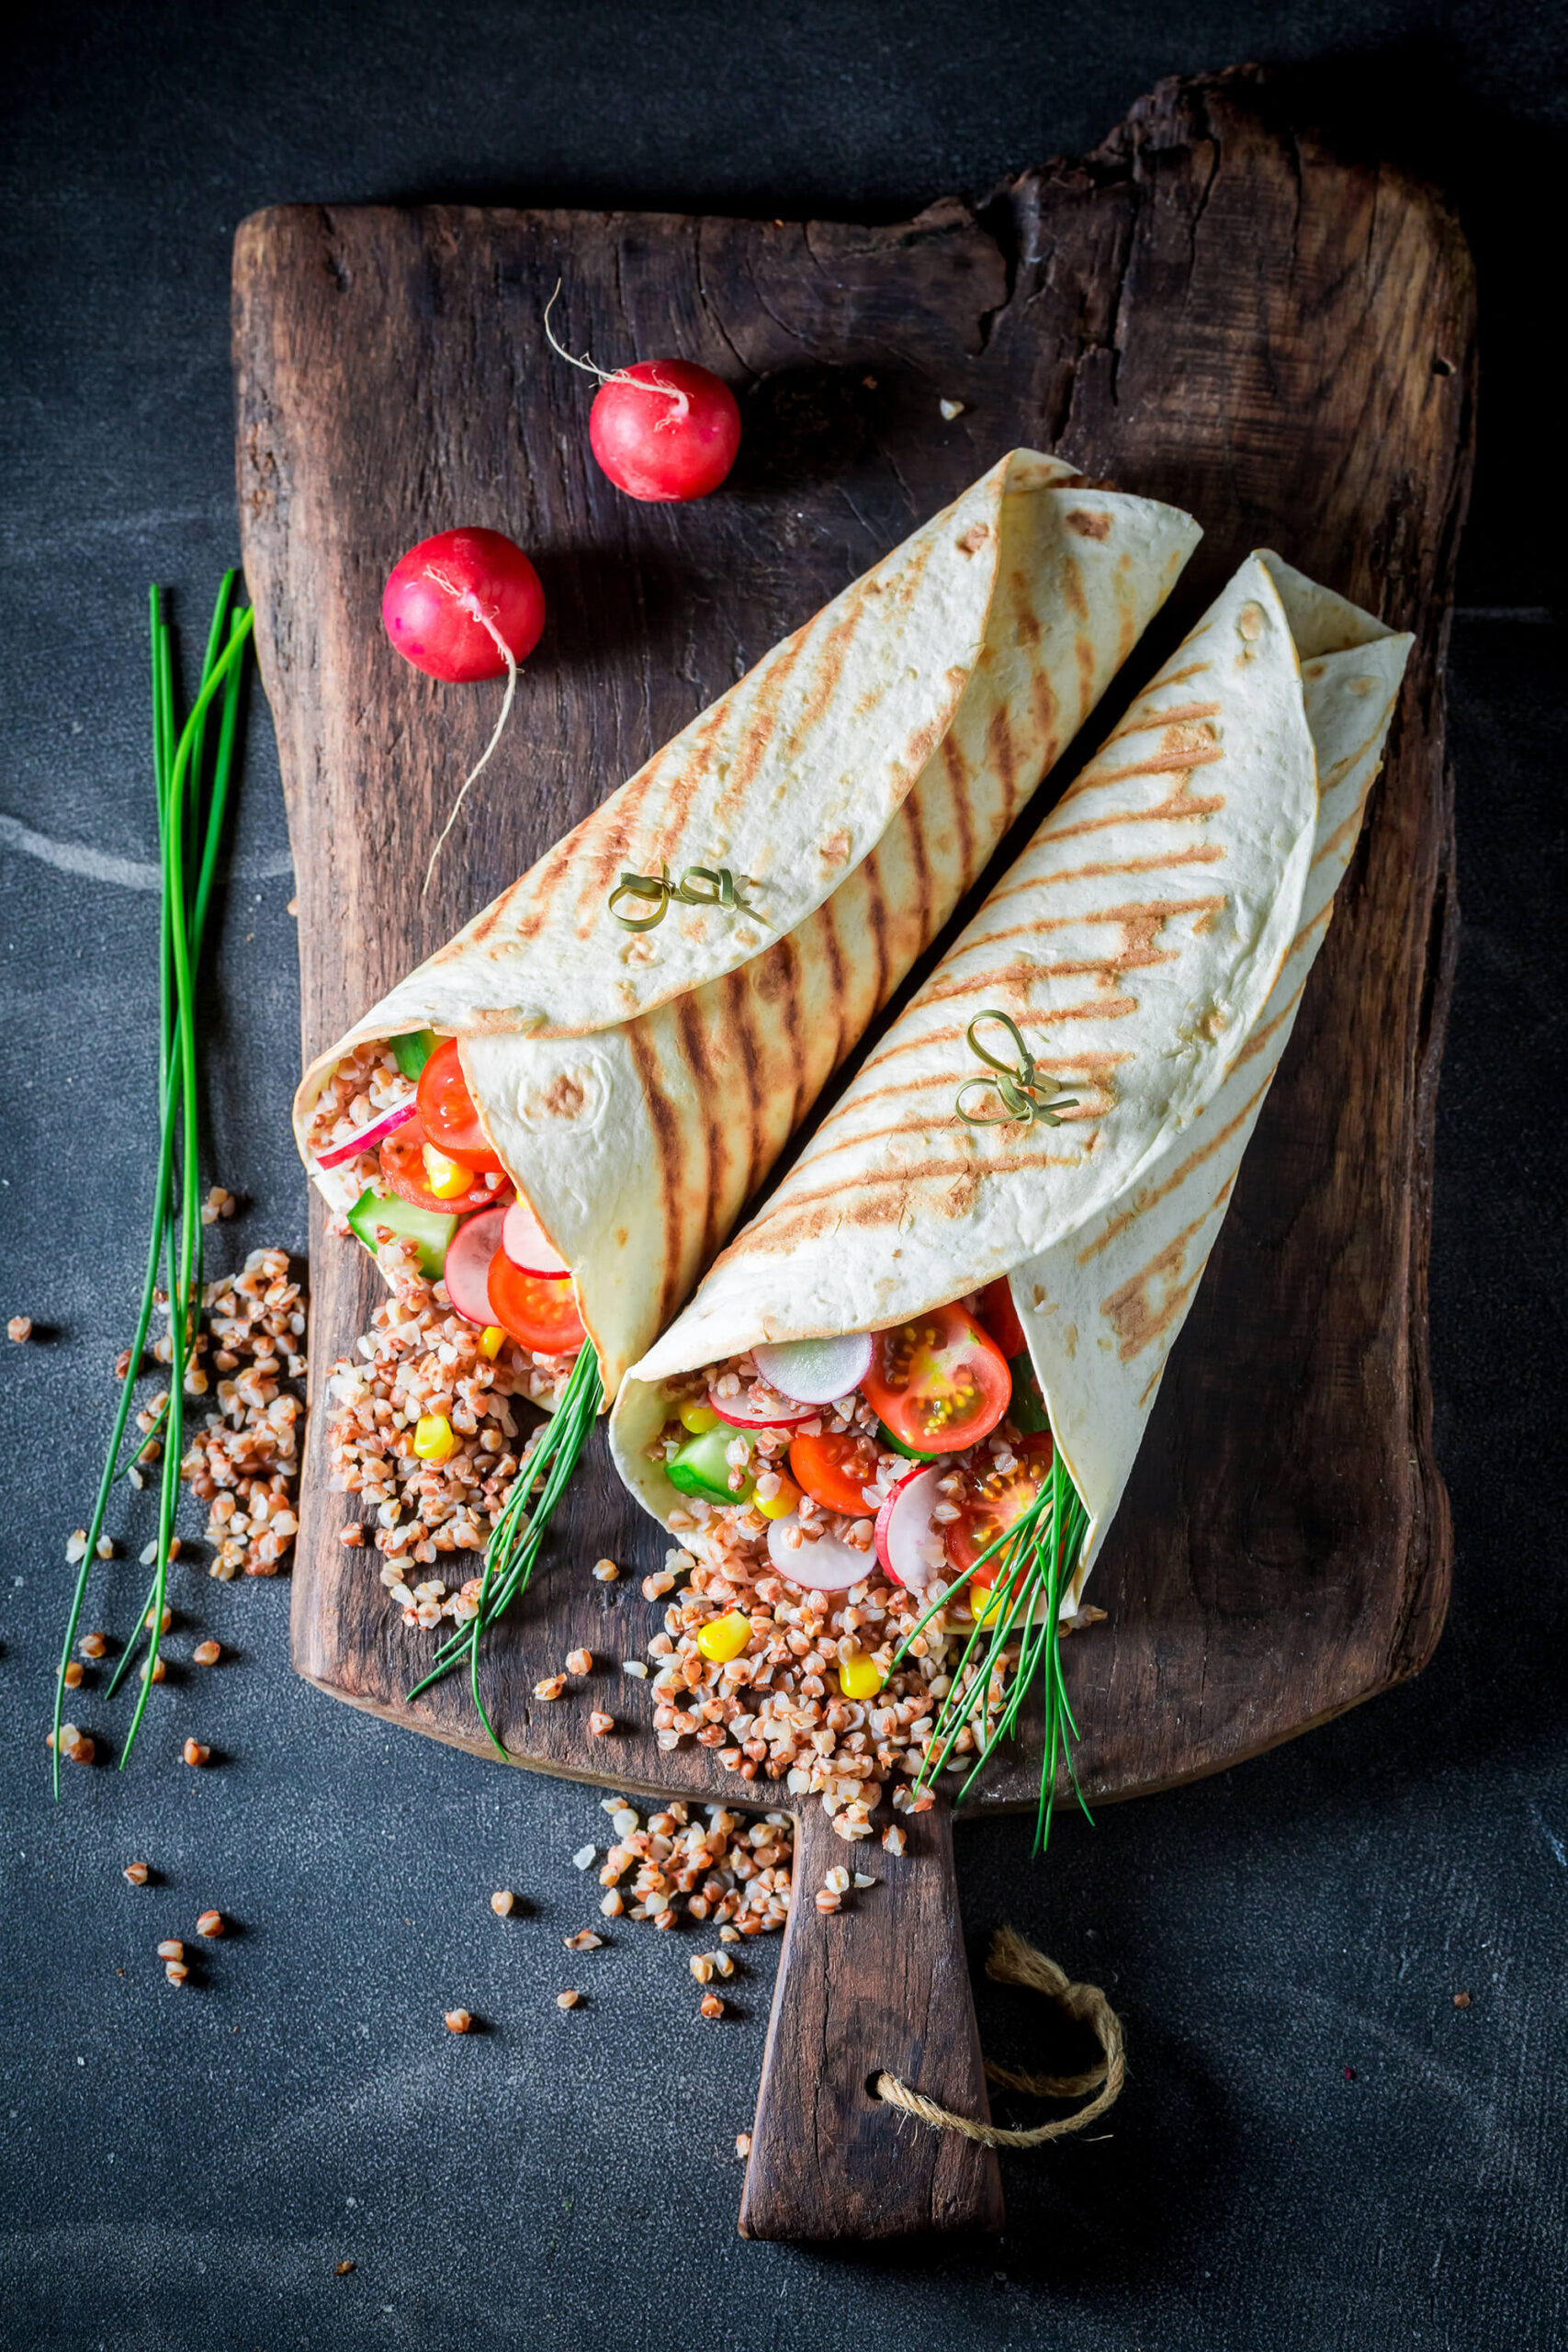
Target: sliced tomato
998,1503
451,1122
998,1316
834,1469
938,1382
539,1311
402,1165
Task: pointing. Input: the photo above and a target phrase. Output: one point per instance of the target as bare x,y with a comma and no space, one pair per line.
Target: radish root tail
472,606
590,366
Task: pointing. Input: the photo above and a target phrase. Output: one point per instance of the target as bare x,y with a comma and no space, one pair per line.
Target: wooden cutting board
1213,310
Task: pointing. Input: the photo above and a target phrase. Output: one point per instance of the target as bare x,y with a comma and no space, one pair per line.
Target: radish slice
741,1413
368,1137
826,1566
908,1544
523,1240
816,1372
467,1271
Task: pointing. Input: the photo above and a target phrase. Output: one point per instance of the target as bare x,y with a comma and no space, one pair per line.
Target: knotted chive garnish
1036,1559
1026,1091
191,796
518,1534
723,889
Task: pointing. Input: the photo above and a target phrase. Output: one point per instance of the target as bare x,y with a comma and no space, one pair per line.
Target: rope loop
1013,1961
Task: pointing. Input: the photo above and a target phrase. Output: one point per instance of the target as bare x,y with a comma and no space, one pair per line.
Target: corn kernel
725,1638
493,1338
435,1439
858,1677
780,1505
448,1178
698,1419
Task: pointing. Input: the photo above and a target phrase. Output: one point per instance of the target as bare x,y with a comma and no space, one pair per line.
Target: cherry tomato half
451,1122
834,1470
938,1382
998,1316
539,1311
996,1503
402,1165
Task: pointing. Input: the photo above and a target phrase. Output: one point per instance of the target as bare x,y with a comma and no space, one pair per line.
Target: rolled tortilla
1152,944
638,1086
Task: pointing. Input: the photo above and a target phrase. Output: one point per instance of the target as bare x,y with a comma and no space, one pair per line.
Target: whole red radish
665,429
456,605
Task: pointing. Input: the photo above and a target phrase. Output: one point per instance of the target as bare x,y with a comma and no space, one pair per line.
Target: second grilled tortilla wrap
1152,944
639,1086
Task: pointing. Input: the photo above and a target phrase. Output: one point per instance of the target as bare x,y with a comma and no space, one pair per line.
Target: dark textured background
1317,2148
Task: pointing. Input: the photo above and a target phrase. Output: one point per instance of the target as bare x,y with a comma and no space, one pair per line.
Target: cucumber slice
896,1445
412,1052
700,1468
432,1232
1027,1411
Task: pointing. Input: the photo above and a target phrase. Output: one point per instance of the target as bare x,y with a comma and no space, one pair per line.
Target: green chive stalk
518,1535
1036,1559
192,797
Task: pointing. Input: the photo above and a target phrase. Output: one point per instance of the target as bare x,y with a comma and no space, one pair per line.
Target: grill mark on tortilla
1133,1316
826,672
684,787
958,773
1019,973
742,1028
1028,625
540,882
1083,653
1047,711
794,1222
1074,1063
1186,714
1179,760
667,1142
1132,913
789,1007
1102,1009
876,923
1001,754
760,732
1178,1177
1073,594
1088,525
919,860
1261,1036
1198,854
1345,833
708,1076
827,924
1180,805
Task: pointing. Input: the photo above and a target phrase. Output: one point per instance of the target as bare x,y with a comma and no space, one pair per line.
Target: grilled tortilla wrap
638,1086
1151,944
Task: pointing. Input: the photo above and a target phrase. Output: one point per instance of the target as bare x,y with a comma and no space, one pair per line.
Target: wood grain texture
885,1984
1212,309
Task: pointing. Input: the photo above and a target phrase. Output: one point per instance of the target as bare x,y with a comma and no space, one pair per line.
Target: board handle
880,1984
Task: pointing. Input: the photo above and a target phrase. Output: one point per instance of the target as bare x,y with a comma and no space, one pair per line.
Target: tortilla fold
638,1085
1151,944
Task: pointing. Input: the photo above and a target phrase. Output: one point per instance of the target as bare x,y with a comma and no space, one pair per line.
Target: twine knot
1013,1961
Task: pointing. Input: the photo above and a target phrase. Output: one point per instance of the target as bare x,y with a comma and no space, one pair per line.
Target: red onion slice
386,1123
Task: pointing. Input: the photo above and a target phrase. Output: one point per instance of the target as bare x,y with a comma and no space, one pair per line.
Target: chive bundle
1037,1557
518,1534
192,795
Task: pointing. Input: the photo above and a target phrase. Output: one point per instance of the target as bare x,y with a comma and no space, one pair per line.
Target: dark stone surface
1317,2148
